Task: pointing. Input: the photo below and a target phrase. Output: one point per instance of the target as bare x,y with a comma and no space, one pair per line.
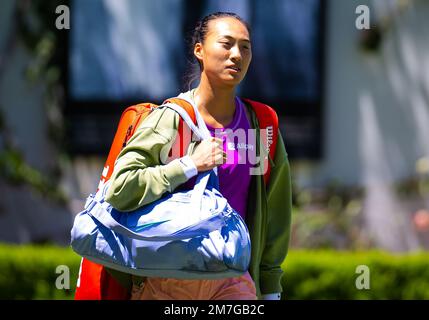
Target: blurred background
353,106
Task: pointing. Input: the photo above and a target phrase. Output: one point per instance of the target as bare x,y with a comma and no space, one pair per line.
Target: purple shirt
234,175
239,145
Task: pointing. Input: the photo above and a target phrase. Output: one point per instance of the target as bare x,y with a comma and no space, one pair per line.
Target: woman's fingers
209,154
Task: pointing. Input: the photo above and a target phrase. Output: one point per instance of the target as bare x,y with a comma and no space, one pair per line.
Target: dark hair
199,34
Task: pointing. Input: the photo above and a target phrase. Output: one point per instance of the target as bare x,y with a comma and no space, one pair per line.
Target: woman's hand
208,154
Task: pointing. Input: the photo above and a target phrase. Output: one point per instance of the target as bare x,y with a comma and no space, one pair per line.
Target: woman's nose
235,53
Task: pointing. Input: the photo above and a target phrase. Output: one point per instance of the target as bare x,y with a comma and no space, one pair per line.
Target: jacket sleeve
279,207
139,176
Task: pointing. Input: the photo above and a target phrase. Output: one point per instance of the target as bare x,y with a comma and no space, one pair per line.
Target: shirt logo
231,146
238,146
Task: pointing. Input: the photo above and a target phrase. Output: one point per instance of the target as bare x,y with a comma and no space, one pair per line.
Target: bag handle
202,132
200,121
185,116
98,209
204,177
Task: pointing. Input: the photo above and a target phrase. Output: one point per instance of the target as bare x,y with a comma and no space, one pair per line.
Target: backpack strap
185,137
269,121
130,119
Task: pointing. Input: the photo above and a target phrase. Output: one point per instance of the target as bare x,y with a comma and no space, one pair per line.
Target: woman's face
226,52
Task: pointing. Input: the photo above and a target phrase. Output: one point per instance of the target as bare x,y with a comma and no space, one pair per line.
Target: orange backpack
94,282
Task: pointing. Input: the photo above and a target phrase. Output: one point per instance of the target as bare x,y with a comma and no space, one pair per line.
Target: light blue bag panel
192,234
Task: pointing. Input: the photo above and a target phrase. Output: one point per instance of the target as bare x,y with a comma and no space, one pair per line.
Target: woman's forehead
227,27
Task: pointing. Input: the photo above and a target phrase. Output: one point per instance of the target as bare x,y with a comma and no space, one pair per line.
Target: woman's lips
234,69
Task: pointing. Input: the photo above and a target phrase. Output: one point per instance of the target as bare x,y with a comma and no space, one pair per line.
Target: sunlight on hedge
29,272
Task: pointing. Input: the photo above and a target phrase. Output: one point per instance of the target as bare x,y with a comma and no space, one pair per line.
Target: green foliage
325,274
334,225
16,171
332,216
29,272
329,217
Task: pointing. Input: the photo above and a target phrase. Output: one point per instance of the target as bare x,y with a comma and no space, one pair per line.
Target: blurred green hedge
324,274
29,272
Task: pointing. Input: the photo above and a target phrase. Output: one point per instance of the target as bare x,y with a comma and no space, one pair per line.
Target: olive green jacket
142,175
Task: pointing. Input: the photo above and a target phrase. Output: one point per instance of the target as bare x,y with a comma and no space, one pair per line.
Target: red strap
268,120
96,284
185,105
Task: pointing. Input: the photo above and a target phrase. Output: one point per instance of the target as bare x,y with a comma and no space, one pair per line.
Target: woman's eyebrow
232,38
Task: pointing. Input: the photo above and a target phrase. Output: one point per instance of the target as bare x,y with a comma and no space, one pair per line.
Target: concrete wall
376,115
377,105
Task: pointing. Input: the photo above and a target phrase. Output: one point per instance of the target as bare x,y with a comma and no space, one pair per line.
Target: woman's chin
231,80
227,80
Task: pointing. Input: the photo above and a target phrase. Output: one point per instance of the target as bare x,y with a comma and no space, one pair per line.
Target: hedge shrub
29,272
333,275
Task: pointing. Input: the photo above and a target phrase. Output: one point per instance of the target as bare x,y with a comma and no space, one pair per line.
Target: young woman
222,47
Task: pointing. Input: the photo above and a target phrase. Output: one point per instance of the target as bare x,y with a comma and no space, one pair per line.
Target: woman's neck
216,105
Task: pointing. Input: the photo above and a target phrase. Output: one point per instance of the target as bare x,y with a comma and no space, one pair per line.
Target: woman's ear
199,52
